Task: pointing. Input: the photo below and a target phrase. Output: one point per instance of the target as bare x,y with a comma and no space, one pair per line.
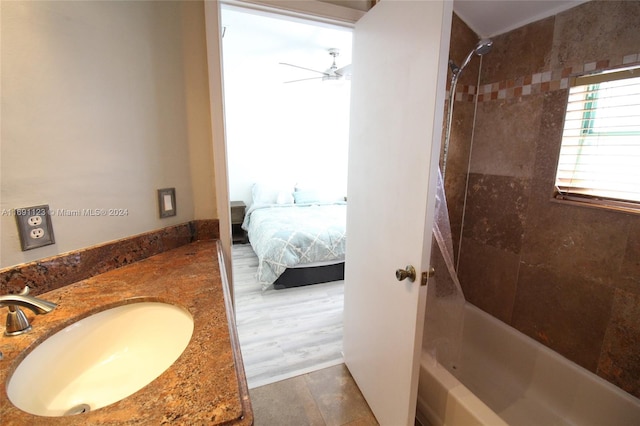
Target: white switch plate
167,202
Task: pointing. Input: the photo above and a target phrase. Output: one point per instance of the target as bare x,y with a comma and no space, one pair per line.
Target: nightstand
238,234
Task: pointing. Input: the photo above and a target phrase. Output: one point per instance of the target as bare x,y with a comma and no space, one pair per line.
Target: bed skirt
296,277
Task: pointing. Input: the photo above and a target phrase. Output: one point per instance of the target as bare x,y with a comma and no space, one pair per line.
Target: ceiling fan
332,73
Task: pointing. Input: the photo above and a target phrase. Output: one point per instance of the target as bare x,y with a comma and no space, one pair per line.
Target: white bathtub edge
452,400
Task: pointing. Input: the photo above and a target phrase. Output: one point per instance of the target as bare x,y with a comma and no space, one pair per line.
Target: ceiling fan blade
344,70
304,79
308,69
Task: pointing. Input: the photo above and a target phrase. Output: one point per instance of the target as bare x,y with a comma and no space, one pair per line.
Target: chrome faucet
17,322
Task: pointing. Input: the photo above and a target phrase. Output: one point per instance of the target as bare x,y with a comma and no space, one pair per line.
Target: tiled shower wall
566,275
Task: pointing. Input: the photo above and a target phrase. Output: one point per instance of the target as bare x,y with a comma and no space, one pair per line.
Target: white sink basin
100,359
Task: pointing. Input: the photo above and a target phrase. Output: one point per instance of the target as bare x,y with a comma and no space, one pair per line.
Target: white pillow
311,196
271,193
319,191
284,197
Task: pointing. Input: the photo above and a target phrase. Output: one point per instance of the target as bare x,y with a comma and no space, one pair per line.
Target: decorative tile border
539,82
57,271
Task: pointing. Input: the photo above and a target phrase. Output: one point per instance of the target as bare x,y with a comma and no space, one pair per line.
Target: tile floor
324,397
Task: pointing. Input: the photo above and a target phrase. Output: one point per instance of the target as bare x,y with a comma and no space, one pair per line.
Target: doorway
283,125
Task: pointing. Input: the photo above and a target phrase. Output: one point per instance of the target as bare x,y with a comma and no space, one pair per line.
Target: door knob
408,272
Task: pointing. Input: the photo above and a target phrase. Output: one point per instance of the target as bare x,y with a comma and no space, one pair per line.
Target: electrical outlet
34,227
37,233
34,220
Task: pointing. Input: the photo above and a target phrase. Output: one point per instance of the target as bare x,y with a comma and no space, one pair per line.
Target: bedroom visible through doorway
287,129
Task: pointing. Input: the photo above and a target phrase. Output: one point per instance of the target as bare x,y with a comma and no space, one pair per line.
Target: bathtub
506,378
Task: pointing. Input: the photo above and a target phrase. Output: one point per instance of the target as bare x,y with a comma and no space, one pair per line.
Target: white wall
295,132
100,108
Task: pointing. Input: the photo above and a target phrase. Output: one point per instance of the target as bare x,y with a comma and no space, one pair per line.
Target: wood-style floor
284,333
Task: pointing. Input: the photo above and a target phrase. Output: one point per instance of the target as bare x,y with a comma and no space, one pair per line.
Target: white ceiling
263,40
488,18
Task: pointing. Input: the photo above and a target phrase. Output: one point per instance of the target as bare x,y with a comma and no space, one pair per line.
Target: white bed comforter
285,236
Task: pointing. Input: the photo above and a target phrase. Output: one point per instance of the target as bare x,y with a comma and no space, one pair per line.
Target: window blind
600,153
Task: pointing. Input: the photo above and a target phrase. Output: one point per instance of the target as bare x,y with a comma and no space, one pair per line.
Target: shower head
482,48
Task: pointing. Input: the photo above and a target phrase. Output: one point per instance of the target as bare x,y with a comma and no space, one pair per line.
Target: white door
398,90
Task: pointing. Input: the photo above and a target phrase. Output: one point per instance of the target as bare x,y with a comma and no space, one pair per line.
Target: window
600,154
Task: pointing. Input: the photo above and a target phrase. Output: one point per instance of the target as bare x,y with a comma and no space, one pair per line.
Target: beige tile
506,136
588,242
367,420
488,277
549,138
520,52
338,397
595,30
629,279
565,311
288,402
496,211
324,397
460,141
619,362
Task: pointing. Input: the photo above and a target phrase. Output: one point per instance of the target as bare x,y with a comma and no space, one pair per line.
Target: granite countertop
206,385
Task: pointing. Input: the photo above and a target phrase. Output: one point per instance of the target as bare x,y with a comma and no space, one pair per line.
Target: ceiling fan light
333,81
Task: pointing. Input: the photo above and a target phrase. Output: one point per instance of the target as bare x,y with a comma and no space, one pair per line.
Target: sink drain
78,409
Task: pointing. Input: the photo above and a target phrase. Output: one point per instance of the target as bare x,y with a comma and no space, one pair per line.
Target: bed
299,237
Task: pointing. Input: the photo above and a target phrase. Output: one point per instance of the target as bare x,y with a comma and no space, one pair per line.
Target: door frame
309,10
